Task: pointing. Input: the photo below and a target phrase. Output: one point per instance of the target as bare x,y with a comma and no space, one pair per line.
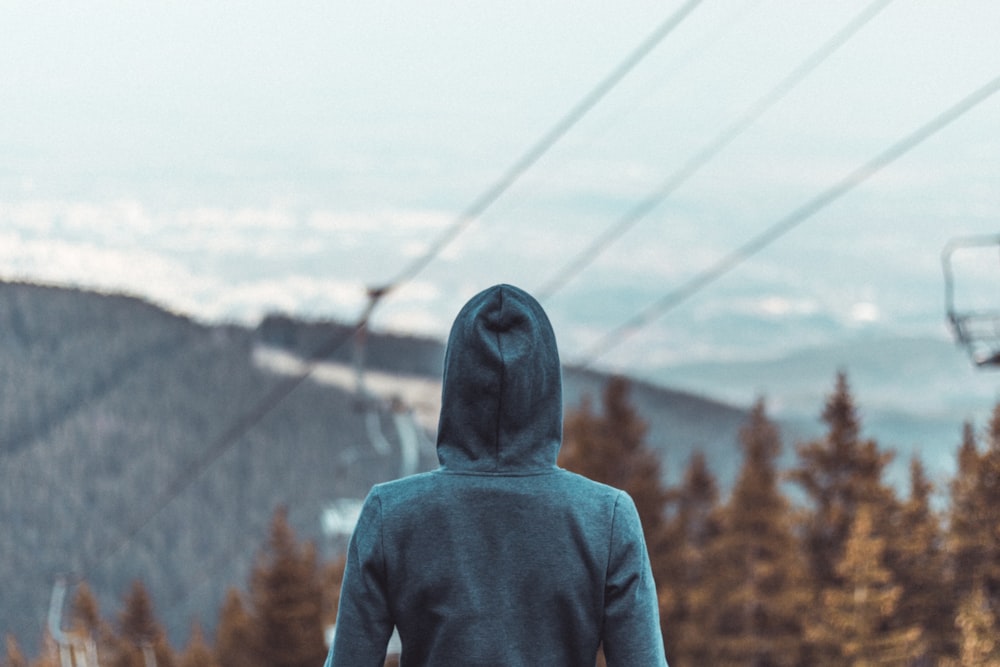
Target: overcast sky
227,159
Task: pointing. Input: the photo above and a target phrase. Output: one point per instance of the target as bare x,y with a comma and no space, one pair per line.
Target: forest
818,563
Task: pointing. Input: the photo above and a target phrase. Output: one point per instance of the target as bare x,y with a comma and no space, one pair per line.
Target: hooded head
501,399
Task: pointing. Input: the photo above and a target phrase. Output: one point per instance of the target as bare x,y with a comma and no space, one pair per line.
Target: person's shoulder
404,485
585,482
588,487
406,489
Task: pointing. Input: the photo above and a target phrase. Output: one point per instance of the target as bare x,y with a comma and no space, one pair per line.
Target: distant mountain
137,443
680,422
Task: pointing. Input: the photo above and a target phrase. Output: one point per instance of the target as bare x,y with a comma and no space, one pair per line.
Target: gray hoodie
499,557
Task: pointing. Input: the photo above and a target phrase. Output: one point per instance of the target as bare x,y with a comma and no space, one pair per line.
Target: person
498,557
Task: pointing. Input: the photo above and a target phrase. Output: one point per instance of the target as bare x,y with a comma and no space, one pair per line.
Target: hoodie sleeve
364,623
631,633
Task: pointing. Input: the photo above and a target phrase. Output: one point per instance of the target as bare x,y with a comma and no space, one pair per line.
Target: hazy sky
229,158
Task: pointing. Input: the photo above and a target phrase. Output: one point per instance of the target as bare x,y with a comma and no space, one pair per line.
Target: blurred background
721,201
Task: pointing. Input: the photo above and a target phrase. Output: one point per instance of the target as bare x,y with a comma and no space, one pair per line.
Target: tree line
291,597
820,563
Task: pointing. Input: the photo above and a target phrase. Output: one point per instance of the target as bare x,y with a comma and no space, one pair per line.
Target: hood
501,397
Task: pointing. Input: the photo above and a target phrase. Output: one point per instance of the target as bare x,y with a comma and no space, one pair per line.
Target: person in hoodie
498,557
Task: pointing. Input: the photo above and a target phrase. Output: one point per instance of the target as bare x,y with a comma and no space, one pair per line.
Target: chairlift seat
977,331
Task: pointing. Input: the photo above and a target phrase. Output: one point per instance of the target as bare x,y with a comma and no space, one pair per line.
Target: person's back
499,557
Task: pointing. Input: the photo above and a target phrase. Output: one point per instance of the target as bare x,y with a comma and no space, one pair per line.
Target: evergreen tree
235,637
758,595
198,653
979,634
839,473
966,546
86,613
287,601
918,560
140,632
86,623
49,656
14,658
686,600
974,526
854,624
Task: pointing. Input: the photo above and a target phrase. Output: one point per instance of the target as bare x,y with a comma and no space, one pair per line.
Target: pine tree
966,547
140,632
686,600
918,559
86,623
15,658
839,473
854,623
980,636
49,656
287,600
235,637
86,614
758,589
974,526
198,653
989,491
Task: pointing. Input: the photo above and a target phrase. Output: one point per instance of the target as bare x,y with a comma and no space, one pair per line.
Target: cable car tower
974,318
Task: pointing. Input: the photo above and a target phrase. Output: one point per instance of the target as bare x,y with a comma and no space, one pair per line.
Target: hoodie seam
381,537
500,394
607,566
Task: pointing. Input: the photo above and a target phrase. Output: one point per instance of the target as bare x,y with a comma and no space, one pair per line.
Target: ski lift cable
221,444
521,165
709,151
618,113
730,261
491,194
507,179
220,566
242,425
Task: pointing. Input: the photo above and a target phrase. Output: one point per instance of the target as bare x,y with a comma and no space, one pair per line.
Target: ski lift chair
976,329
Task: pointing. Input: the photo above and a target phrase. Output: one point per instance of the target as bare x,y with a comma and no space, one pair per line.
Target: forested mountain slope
110,408
135,443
